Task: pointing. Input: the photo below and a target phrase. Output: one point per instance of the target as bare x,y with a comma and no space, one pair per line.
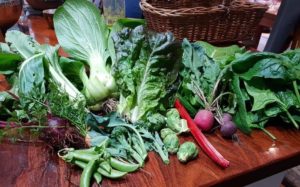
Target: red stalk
200,138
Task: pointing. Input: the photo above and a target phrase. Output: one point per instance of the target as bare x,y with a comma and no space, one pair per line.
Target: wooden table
254,158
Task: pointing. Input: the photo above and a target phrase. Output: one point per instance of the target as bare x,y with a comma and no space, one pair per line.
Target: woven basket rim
146,6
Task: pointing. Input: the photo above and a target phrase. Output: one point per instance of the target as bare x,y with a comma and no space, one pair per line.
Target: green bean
114,174
86,175
97,176
123,166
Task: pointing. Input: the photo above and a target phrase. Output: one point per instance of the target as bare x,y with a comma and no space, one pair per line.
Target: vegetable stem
268,133
201,139
292,119
296,91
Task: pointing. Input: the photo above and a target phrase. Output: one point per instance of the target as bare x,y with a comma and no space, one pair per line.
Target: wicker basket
214,21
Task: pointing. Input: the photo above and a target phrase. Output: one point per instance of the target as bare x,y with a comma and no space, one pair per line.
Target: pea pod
123,166
97,176
137,158
105,165
114,174
72,155
91,151
86,175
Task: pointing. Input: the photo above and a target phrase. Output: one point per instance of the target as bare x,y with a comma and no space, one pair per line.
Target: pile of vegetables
124,91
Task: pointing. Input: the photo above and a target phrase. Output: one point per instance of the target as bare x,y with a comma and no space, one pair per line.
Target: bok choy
83,34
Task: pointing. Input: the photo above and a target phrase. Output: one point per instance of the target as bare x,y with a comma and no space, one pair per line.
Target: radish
228,128
226,117
204,119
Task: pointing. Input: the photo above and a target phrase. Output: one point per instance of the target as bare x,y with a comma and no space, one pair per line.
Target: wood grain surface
252,158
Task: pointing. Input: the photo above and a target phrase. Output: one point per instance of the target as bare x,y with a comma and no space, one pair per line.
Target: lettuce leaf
146,70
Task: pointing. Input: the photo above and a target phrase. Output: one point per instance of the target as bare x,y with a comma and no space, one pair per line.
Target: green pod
105,165
114,174
123,166
97,176
137,157
86,175
86,157
87,151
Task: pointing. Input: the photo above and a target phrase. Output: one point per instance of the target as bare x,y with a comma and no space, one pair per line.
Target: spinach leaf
261,97
221,55
266,68
241,116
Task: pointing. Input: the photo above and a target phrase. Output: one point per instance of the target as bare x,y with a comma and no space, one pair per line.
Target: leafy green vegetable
57,76
83,34
9,63
23,44
266,86
221,55
154,143
119,25
31,75
145,71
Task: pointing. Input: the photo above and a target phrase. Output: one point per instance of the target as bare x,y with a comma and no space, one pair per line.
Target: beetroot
61,134
204,119
228,129
226,117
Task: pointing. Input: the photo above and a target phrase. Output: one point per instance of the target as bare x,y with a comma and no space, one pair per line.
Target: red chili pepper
200,138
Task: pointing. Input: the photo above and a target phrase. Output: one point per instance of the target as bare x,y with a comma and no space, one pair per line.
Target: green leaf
21,43
118,26
221,55
261,97
31,75
248,60
73,70
4,48
83,34
57,76
9,63
200,69
97,139
288,98
97,122
145,71
81,30
241,117
266,68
